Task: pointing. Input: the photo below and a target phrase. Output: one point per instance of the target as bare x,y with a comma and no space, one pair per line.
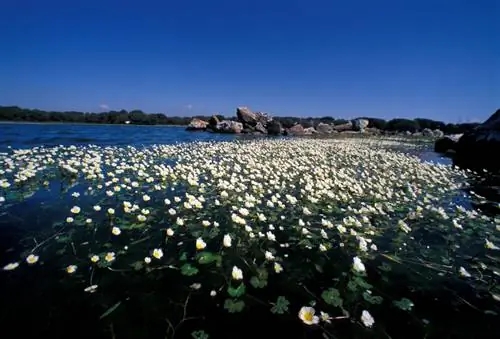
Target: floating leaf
362,283
234,306
138,265
372,299
236,292
258,283
183,256
199,334
332,297
352,286
208,257
404,304
281,305
110,310
188,270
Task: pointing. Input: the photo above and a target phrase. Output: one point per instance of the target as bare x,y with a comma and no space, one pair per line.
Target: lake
154,232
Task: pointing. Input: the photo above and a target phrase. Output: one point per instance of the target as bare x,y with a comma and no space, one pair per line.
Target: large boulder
310,131
360,124
249,118
438,133
297,129
427,132
446,144
344,127
197,125
213,121
228,126
274,128
479,148
324,128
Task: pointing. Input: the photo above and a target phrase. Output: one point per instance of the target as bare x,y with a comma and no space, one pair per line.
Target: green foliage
258,283
372,299
199,335
234,306
236,291
404,304
332,297
208,258
189,270
281,305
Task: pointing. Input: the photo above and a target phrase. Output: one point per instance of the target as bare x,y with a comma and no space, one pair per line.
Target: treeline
138,117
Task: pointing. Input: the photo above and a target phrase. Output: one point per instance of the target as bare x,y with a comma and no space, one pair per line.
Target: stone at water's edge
274,128
297,129
228,126
480,147
197,125
344,127
324,128
360,124
445,145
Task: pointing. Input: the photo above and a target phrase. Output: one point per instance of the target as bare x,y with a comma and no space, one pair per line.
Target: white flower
75,210
213,293
358,265
227,241
179,221
237,274
322,248
94,258
91,289
147,260
269,256
158,253
32,259
110,256
75,194
367,319
463,272
306,314
278,268
325,317
141,218
97,208
146,197
171,211
271,236
88,221
200,244
167,202
205,223
111,211
491,245
71,269
116,231
170,232
11,266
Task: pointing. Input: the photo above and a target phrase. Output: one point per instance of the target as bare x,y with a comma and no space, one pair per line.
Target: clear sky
437,59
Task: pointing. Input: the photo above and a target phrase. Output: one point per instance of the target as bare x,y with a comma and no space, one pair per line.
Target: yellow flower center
308,316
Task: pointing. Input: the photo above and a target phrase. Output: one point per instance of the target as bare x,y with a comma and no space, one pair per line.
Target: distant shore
10,122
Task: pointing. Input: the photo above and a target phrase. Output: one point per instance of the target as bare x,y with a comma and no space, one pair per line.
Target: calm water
29,135
55,308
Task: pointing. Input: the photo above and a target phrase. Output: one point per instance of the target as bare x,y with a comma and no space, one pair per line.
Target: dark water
35,308
30,135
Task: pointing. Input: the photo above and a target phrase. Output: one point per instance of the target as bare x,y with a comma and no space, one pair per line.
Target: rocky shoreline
258,123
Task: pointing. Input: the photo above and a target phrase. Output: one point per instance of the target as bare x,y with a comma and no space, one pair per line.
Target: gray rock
249,118
360,124
324,128
438,133
274,128
197,125
480,147
309,131
344,127
228,126
427,132
260,128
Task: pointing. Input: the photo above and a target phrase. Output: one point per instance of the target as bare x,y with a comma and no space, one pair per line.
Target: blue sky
429,58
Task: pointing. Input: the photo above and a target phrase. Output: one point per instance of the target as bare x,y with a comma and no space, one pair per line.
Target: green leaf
236,292
258,283
110,310
352,286
183,256
332,297
188,270
372,299
281,306
385,267
208,257
362,283
404,304
199,334
138,265
234,306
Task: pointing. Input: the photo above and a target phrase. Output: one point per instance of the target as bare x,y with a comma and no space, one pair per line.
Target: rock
344,127
197,125
309,131
438,133
324,128
260,128
479,148
213,121
228,126
297,129
360,124
249,118
373,130
445,145
274,128
427,132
